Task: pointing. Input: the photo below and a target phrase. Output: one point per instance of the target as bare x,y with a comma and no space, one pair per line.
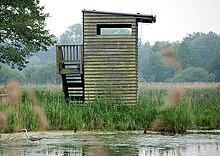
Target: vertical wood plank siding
110,61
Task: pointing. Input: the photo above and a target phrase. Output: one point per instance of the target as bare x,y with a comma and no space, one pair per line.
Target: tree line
198,55
23,40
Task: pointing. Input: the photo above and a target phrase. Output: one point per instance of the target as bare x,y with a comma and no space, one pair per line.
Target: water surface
108,144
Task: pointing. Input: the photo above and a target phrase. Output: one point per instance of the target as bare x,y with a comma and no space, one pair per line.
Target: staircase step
72,62
75,88
73,83
73,75
73,78
69,71
75,91
75,95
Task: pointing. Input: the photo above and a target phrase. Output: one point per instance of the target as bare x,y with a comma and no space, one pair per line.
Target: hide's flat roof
140,17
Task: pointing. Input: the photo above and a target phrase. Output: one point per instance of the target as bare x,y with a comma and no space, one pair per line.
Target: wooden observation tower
105,65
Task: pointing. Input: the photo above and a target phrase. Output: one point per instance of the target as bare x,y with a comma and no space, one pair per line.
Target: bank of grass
199,108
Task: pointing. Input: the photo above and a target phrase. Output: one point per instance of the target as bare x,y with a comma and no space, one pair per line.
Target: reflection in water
107,144
211,149
33,150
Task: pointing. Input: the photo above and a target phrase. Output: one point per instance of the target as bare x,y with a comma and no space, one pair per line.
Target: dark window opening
114,29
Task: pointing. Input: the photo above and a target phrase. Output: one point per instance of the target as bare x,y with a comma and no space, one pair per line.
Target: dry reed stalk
40,112
99,150
158,125
13,90
173,96
170,58
3,120
13,97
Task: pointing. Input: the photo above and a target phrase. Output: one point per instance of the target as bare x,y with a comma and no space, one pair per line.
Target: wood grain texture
110,61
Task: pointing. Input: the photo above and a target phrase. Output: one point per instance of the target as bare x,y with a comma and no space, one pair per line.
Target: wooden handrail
69,53
69,45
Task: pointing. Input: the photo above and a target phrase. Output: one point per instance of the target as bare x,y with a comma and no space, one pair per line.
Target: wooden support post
59,57
81,60
65,87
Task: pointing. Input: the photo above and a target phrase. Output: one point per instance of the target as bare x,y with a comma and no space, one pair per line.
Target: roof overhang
140,17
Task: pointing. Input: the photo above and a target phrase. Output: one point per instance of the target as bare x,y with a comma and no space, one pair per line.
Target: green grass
197,109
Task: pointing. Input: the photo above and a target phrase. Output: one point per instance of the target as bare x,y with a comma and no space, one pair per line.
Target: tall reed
196,109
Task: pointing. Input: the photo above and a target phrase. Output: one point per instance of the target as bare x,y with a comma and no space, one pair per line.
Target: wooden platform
70,67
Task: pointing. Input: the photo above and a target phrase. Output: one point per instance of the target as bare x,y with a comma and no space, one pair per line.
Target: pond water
108,144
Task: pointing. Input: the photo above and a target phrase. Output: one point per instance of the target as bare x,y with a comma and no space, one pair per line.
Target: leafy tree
215,66
204,47
22,30
28,72
153,69
7,74
42,58
193,74
185,55
160,45
144,50
45,74
73,35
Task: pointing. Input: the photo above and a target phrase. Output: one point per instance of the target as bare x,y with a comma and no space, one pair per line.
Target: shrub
193,74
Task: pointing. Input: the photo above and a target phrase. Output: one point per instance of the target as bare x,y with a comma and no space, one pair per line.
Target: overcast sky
175,18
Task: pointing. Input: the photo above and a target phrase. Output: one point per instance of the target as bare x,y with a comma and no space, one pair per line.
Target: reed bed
185,85
190,108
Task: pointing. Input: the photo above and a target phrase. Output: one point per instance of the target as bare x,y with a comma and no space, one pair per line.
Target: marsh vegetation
161,107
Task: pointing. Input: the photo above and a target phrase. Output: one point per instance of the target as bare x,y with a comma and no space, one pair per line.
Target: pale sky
175,18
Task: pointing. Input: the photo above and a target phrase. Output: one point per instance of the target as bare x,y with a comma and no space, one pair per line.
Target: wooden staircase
70,67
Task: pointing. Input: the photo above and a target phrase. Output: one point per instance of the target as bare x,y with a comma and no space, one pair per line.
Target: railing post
59,58
69,56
